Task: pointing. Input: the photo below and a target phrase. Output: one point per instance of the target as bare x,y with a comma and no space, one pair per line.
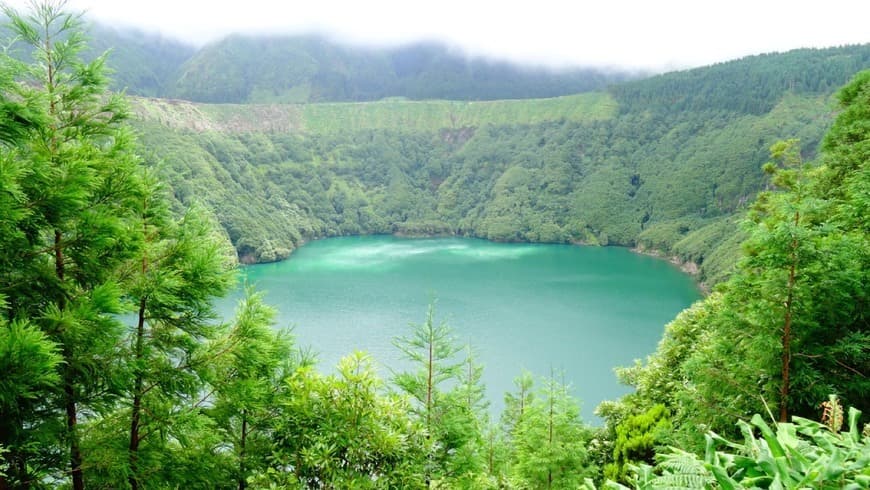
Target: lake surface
581,310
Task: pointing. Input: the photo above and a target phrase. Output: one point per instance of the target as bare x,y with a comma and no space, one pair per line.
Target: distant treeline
243,69
752,85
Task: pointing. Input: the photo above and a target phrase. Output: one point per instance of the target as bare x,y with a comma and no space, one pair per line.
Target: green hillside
752,85
142,63
597,168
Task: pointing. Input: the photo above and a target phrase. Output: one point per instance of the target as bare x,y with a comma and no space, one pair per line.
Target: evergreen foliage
178,270
550,442
72,176
451,416
752,85
794,313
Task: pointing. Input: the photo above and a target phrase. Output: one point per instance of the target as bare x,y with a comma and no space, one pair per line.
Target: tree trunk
491,453
137,399
550,437
75,454
429,385
785,387
786,354
242,480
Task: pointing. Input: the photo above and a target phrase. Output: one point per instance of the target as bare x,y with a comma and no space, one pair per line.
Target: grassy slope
393,115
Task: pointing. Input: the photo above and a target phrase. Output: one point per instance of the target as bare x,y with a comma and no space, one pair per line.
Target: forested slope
594,168
142,63
786,336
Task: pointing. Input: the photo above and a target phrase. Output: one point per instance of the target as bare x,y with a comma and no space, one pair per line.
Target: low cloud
633,34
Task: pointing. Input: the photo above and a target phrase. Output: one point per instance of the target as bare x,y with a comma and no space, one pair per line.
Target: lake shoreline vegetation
117,232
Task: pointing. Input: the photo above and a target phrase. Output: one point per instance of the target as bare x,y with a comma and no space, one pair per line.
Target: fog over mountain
281,69
649,35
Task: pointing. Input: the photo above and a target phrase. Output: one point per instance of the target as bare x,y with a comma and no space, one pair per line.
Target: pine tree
74,203
448,416
516,404
177,271
550,442
249,383
462,427
783,244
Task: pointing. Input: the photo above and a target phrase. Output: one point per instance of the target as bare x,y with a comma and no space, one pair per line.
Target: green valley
595,168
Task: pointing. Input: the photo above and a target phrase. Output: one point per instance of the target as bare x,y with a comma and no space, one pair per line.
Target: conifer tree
783,244
180,266
463,424
516,404
550,442
448,416
73,201
249,383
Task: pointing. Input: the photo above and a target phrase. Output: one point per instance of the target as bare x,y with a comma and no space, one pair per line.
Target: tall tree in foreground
179,267
250,381
74,198
782,248
550,441
450,417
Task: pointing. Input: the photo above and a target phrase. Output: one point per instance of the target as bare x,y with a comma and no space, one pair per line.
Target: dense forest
120,217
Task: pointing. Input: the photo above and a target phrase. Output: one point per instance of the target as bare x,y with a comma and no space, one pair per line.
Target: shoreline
687,267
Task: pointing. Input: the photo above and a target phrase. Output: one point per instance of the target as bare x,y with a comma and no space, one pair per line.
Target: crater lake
579,311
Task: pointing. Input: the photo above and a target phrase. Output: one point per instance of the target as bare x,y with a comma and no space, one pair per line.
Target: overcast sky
651,34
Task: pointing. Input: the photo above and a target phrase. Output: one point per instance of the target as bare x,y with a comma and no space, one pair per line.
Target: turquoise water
581,310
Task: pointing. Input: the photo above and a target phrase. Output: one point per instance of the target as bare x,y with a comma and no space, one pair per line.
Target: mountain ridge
313,68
